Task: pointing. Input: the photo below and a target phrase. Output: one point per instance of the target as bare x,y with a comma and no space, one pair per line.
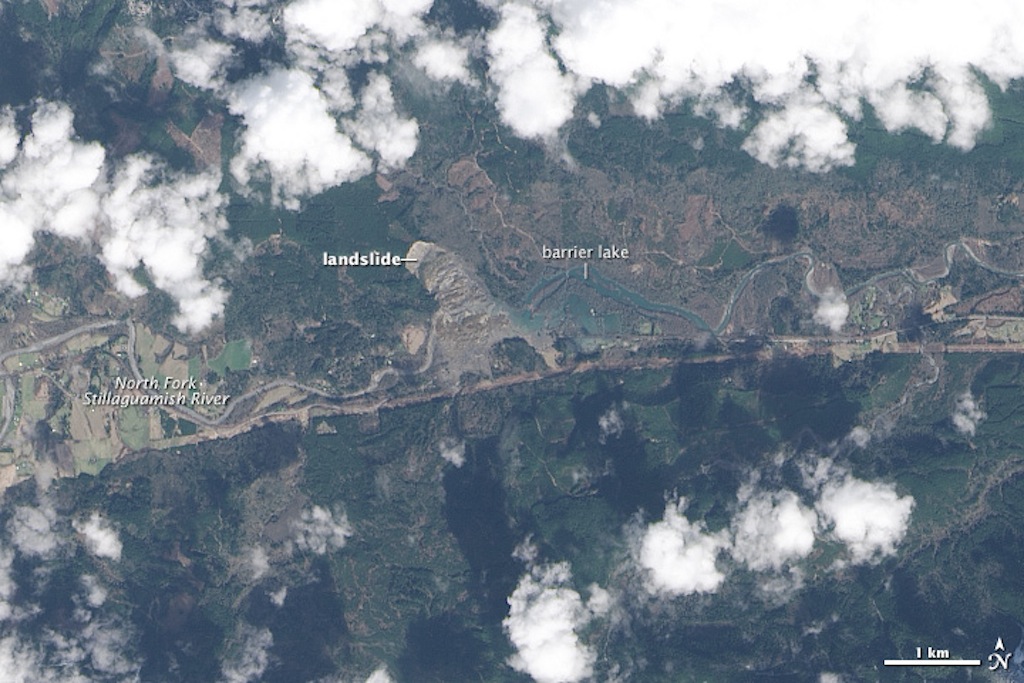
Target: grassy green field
236,355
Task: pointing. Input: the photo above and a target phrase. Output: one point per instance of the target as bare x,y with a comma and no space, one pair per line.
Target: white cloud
679,557
245,19
101,645
319,530
32,531
966,105
52,182
323,32
772,533
22,664
859,436
534,98
526,551
832,309
49,184
809,66
200,60
9,138
147,216
400,12
967,414
453,451
817,471
291,136
544,616
259,563
772,529
100,538
610,424
443,60
95,594
7,585
164,221
380,675
901,108
378,127
88,647
600,602
870,518
804,133
778,588
332,26
249,656
277,598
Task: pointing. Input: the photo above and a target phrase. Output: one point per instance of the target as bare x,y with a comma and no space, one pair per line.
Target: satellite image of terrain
401,341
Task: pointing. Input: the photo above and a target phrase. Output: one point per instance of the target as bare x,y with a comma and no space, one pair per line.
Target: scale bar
932,662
